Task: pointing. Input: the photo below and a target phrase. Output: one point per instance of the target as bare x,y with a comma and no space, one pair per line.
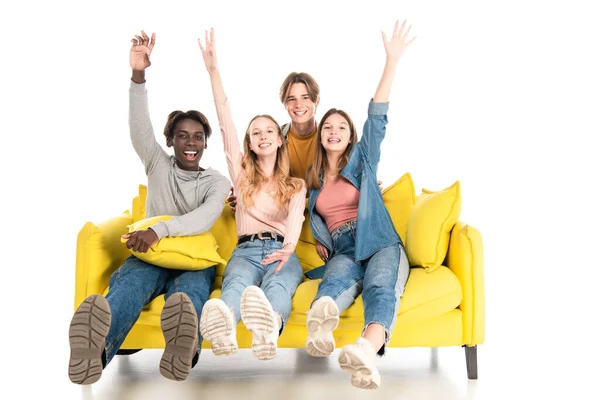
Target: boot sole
257,314
215,326
179,324
87,336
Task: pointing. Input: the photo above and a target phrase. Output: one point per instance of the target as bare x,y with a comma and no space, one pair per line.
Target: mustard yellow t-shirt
301,150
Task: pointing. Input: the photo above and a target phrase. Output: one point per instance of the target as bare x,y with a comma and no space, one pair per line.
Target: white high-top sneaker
359,361
323,317
217,325
260,319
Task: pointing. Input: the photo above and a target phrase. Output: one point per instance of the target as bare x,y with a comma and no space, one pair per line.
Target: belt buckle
261,237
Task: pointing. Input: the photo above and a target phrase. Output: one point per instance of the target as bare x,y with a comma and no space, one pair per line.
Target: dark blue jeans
137,283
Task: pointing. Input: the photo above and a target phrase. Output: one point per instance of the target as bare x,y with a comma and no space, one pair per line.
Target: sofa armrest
99,252
465,259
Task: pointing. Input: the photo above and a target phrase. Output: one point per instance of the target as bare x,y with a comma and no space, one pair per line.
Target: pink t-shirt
266,214
338,203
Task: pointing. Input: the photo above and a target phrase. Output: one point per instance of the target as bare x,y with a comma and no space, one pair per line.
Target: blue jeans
137,283
244,269
381,279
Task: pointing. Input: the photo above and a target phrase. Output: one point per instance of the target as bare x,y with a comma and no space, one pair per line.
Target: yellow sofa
441,306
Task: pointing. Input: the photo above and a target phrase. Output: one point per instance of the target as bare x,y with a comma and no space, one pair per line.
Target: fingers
396,28
200,44
384,37
152,41
126,236
281,263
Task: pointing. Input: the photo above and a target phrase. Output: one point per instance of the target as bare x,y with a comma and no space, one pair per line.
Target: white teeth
264,145
333,140
190,152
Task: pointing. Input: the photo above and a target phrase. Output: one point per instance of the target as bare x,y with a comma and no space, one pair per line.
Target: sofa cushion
178,252
399,199
429,226
426,295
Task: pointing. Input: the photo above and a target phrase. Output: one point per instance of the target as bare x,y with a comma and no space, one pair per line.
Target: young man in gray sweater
179,187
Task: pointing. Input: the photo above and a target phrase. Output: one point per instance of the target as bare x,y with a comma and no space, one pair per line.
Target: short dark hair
176,116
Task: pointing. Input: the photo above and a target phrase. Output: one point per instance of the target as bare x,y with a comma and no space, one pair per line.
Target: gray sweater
195,199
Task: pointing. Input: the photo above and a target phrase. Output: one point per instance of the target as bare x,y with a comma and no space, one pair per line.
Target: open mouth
190,155
334,140
264,145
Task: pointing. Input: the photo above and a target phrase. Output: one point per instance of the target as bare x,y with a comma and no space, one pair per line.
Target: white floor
417,373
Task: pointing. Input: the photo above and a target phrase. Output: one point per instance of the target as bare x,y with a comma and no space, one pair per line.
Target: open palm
399,42
209,51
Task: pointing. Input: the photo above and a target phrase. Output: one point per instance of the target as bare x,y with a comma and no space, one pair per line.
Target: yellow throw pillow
399,199
178,252
429,226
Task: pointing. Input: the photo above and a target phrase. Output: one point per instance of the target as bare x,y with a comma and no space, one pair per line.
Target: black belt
264,235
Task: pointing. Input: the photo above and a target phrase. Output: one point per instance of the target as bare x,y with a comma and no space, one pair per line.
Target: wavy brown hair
287,186
320,160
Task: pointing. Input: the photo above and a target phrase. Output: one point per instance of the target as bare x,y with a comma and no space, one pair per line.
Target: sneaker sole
87,336
179,325
363,377
322,321
215,326
257,314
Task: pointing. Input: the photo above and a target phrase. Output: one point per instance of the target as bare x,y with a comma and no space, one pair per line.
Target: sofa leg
471,356
127,352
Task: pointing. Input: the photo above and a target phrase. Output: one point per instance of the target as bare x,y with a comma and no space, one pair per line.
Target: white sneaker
259,318
217,325
323,317
359,361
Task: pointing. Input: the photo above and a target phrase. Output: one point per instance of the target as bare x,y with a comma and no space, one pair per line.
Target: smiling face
299,105
264,137
188,143
335,133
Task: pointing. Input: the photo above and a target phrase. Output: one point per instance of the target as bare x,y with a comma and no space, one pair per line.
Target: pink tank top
338,203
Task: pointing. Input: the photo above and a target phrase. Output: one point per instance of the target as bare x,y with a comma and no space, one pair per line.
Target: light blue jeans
137,283
244,269
381,279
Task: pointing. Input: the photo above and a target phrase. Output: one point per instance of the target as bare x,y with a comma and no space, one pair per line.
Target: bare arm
394,48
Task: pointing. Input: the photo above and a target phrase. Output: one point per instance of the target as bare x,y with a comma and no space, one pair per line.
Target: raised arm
394,48
140,126
375,126
230,140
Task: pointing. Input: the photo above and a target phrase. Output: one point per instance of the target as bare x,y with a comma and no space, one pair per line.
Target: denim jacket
374,227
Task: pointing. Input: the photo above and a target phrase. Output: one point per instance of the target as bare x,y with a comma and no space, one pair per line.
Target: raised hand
141,47
394,48
399,42
209,51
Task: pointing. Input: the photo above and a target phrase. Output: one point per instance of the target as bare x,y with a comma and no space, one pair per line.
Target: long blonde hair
320,160
286,185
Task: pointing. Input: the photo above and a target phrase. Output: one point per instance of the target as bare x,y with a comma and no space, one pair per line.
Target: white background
503,96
